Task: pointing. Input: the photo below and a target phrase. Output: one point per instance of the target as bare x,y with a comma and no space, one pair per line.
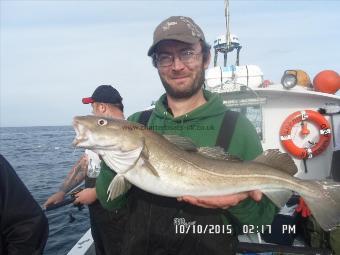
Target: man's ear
207,61
102,108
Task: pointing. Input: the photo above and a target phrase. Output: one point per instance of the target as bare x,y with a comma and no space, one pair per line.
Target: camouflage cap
178,28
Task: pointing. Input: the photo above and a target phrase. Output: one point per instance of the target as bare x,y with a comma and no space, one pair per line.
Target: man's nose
177,64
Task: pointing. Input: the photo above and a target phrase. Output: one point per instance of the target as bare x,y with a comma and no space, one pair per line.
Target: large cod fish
171,166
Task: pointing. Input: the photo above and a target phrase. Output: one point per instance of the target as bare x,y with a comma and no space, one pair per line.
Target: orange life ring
299,116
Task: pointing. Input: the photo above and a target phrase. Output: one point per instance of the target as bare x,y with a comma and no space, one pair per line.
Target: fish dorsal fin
276,159
184,143
217,153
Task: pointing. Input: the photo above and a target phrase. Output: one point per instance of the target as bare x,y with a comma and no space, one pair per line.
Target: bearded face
186,75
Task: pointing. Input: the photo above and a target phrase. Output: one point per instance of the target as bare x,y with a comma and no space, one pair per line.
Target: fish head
105,134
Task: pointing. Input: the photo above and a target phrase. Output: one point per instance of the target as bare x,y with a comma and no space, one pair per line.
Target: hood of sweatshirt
213,106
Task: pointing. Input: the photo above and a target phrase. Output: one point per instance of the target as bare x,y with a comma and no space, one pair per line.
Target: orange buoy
327,81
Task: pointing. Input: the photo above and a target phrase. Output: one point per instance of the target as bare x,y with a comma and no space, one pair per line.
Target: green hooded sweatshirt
202,126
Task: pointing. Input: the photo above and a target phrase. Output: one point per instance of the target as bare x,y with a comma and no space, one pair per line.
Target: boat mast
226,14
227,44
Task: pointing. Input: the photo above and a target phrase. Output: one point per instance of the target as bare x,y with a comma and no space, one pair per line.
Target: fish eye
102,122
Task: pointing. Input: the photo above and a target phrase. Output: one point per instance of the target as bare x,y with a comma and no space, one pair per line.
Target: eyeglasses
186,57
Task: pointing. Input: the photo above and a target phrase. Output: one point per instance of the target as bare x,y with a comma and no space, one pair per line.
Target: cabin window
254,114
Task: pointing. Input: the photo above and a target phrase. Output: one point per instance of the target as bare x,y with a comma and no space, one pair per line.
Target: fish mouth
81,135
78,142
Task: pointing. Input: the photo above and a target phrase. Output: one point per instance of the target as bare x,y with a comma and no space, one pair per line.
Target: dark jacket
23,225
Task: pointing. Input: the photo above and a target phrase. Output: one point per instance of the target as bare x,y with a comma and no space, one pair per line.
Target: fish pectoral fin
276,159
217,153
184,143
150,168
122,161
146,162
118,186
145,152
278,197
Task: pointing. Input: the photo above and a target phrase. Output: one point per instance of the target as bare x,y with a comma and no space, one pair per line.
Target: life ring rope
300,116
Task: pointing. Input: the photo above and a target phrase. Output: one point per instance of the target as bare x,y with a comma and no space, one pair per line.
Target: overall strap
144,117
227,129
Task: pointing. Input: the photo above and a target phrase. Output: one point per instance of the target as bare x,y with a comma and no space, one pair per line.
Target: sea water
42,157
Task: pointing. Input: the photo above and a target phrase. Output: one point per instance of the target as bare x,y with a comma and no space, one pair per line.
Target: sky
53,53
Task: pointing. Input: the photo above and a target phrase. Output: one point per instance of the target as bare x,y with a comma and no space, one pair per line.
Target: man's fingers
77,200
50,202
221,201
46,203
188,199
215,201
256,195
196,201
193,200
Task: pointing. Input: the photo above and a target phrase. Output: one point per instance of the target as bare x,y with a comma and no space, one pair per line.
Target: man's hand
86,196
223,202
55,198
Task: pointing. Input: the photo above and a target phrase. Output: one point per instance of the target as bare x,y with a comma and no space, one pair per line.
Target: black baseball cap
104,94
177,28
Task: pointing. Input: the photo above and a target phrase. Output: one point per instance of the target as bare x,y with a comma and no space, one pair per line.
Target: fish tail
324,202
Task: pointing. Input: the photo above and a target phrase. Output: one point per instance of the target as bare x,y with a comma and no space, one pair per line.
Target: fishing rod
71,198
